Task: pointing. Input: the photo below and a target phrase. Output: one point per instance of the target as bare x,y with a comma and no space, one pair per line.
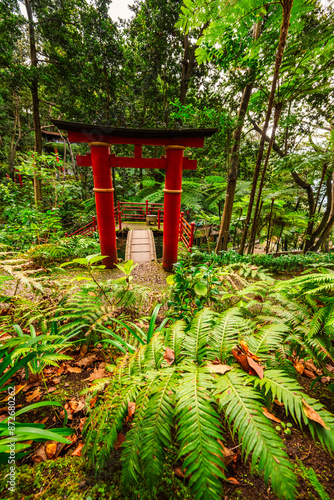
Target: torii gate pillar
104,198
172,205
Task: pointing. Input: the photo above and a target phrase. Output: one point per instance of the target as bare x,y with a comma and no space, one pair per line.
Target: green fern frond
157,426
267,338
132,448
242,407
175,337
154,352
198,432
225,335
196,337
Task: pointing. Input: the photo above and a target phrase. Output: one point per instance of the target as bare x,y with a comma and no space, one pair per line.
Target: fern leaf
157,424
198,432
242,406
196,337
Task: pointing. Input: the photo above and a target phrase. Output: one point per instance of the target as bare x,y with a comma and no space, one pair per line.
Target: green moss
70,477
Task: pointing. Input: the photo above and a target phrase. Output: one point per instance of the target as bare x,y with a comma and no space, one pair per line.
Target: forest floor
61,472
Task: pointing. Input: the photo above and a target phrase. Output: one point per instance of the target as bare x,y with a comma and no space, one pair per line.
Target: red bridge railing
138,212
87,229
187,232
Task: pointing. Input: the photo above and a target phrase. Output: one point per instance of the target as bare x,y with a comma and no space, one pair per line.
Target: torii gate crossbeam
100,138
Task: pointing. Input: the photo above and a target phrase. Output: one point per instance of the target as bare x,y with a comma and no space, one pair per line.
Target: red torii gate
100,138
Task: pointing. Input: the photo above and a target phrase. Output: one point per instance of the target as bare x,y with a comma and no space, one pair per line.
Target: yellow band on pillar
173,191
175,147
105,144
103,190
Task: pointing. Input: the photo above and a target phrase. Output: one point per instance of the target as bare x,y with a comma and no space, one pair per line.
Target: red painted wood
104,204
137,162
84,161
191,240
138,150
172,205
194,142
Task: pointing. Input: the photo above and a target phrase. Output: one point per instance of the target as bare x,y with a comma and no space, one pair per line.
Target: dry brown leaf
178,472
131,410
56,380
232,480
96,374
77,451
119,441
76,406
92,401
312,414
52,389
4,409
242,359
228,454
221,369
278,402
309,374
269,415
169,356
33,397
51,449
299,366
73,369
255,366
40,454
330,368
18,388
309,365
88,360
325,380
82,424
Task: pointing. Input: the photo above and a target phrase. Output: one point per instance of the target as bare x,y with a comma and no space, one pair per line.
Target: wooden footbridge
140,246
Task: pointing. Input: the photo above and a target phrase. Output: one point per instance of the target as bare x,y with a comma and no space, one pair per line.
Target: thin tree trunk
269,224
233,173
35,101
278,110
286,5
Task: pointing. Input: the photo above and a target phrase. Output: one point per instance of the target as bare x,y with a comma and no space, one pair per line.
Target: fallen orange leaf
119,441
221,369
77,451
73,369
169,356
269,415
312,414
18,388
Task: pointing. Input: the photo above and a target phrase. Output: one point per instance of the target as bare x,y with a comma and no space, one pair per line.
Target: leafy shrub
282,264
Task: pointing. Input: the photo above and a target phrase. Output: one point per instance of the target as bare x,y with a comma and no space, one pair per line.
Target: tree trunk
278,110
286,5
233,172
35,101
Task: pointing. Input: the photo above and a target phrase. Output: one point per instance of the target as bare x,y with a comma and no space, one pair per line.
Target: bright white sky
119,8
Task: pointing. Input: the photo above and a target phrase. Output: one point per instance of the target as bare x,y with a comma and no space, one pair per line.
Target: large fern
187,394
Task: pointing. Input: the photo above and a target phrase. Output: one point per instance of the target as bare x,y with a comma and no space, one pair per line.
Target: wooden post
192,232
181,225
66,235
104,198
159,218
172,205
119,216
146,207
94,223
